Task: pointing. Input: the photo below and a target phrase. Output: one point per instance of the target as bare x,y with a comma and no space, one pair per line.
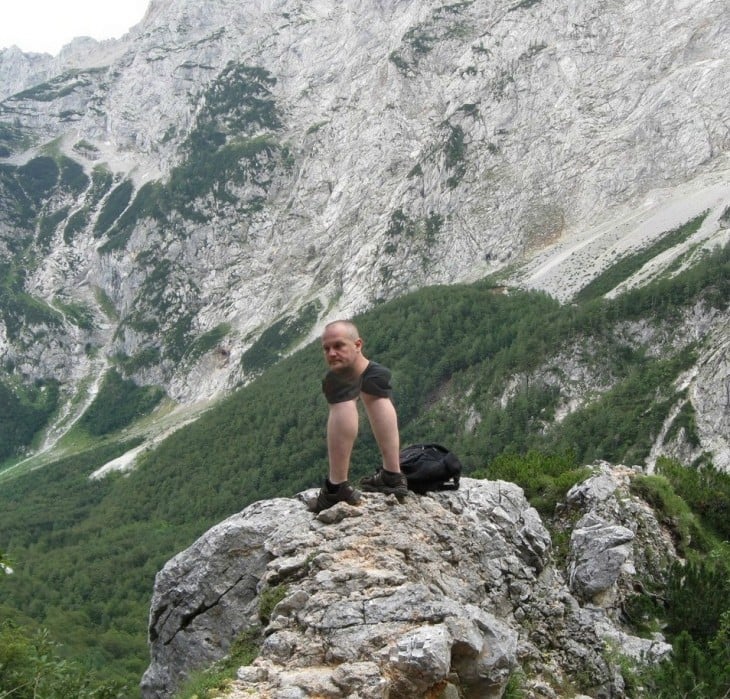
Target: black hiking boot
388,482
326,499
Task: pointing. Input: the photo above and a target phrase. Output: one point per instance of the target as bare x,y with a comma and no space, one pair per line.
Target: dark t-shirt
340,386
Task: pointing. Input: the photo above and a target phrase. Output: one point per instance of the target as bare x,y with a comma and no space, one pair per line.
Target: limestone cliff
167,197
458,589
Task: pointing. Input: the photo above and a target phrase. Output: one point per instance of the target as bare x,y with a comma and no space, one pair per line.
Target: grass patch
210,683
268,599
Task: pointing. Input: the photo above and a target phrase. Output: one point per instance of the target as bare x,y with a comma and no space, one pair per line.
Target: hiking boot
388,482
326,499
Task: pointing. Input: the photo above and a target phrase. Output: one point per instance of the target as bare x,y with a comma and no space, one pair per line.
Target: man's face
340,349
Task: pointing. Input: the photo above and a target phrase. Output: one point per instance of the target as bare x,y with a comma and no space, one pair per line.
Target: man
351,376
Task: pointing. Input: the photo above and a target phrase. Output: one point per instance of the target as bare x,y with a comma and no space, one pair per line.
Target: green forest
84,552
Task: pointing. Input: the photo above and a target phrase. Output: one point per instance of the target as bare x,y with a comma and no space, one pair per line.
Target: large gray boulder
449,592
616,543
601,550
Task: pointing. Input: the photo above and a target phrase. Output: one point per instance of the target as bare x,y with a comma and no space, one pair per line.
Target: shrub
705,490
672,511
268,599
694,671
32,667
76,313
697,594
38,177
207,341
76,222
101,183
455,152
545,478
47,227
149,356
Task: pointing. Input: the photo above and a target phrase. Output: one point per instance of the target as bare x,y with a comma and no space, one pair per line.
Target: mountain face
189,203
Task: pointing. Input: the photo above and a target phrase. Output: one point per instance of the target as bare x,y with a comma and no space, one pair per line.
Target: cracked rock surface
441,591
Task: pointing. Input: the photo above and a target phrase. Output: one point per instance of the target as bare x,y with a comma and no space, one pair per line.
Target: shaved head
346,326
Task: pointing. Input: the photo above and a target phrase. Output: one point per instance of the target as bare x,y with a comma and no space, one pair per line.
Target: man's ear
358,343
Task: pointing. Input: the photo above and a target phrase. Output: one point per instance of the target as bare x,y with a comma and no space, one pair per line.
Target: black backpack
430,467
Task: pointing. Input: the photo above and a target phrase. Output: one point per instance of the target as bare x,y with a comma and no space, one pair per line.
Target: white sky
46,26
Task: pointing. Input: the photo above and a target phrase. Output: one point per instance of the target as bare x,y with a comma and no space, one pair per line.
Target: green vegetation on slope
279,338
26,187
695,610
33,666
627,266
77,567
119,403
23,412
85,552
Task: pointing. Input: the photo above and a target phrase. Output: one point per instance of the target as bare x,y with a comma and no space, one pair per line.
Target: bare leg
384,421
342,425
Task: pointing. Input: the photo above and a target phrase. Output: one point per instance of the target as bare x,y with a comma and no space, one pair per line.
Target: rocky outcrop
450,590
614,539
